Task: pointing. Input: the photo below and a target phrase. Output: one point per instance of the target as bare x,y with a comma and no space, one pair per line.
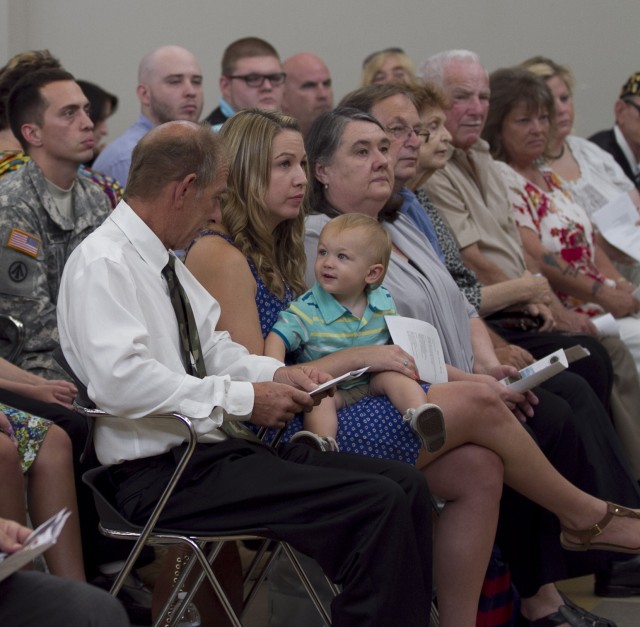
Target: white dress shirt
119,333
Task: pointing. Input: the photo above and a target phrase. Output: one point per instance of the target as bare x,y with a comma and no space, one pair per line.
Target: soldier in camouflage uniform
38,231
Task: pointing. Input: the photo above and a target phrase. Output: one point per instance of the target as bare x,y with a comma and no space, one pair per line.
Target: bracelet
609,282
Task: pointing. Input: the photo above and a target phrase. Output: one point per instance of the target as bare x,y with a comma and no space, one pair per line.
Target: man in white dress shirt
366,521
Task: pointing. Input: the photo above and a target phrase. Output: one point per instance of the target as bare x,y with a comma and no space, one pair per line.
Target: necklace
559,155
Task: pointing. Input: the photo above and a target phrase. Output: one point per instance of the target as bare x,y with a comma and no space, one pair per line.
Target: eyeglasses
401,131
257,80
635,105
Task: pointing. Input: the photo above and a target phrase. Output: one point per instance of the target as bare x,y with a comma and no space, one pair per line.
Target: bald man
169,88
307,90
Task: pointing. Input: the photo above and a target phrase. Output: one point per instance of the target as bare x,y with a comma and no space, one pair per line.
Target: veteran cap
631,87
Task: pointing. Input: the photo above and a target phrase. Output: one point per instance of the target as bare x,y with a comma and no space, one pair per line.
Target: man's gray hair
433,69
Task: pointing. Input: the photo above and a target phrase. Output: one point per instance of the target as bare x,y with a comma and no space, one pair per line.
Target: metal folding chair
204,547
12,337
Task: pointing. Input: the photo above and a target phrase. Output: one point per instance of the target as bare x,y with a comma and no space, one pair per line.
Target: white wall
103,40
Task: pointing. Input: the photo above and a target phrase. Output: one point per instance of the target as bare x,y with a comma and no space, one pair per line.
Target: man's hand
12,535
620,303
275,404
575,323
516,356
538,288
543,311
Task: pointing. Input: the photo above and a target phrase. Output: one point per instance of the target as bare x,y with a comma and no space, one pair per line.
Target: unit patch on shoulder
24,242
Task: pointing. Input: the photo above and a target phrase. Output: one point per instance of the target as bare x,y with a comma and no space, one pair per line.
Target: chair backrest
12,337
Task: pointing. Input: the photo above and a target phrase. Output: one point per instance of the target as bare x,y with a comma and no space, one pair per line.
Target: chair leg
305,581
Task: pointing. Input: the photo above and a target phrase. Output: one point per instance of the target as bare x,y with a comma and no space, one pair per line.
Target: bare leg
402,391
323,418
12,504
52,487
546,601
470,479
475,414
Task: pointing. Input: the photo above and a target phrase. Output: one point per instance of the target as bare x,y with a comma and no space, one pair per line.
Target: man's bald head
308,91
169,153
170,85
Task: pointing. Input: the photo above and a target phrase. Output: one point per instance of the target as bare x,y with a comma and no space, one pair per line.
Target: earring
326,185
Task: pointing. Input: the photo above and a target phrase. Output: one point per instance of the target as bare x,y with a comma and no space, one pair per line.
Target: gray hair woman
348,155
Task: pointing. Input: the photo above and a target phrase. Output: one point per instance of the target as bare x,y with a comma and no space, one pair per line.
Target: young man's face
173,90
240,95
66,132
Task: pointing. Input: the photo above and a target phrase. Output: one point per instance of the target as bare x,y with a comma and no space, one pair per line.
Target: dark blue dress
371,427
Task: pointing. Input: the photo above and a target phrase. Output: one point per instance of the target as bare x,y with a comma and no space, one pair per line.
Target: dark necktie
190,342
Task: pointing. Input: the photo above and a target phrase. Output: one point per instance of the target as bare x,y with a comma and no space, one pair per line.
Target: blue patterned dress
371,427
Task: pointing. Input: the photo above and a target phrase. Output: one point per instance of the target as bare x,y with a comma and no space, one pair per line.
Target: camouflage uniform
35,242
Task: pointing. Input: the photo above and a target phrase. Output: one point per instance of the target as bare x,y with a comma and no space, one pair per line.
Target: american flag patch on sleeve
24,242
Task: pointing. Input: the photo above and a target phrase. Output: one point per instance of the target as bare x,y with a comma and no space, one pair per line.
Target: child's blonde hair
376,239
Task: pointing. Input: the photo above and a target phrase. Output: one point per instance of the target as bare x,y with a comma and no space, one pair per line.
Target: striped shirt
318,324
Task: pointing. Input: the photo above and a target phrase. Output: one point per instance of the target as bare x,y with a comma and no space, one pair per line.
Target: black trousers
367,522
578,438
595,369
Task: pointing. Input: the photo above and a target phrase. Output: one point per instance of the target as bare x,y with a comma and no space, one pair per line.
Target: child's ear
374,273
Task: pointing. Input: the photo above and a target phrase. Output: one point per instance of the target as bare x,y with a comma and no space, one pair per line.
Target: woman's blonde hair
279,257
547,68
374,62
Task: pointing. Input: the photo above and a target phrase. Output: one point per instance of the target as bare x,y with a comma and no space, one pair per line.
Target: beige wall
103,40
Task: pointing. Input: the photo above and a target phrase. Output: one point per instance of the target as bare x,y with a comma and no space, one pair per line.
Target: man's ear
374,273
182,188
142,91
32,133
618,109
225,84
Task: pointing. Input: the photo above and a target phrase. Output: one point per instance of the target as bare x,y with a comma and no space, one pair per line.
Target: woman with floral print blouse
556,232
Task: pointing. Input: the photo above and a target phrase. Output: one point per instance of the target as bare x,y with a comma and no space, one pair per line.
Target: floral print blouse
562,225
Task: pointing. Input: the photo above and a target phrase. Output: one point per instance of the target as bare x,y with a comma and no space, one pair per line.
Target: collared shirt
115,159
120,336
473,199
225,109
634,164
319,324
422,288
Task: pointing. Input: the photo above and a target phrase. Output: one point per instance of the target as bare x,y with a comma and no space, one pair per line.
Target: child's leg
12,504
51,487
323,418
403,392
425,418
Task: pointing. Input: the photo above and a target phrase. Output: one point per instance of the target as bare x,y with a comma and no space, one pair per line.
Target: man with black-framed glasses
623,140
252,76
